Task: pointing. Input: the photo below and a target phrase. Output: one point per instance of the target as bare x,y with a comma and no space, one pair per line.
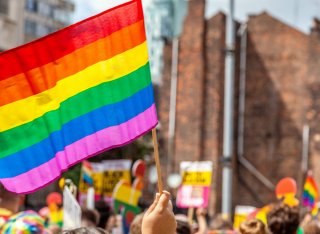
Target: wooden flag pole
156,158
190,215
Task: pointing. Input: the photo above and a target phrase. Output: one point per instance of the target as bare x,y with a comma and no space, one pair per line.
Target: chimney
315,29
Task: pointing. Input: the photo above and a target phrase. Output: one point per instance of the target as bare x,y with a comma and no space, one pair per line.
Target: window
60,16
31,5
44,9
30,27
4,7
42,30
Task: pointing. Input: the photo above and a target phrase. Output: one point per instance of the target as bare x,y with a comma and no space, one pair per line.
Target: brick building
282,94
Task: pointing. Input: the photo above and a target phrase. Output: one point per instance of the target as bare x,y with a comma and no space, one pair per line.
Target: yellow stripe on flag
26,110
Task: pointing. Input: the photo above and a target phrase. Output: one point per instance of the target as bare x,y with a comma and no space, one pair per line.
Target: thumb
163,201
170,207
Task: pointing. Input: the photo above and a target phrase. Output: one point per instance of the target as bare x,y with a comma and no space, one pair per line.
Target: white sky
297,13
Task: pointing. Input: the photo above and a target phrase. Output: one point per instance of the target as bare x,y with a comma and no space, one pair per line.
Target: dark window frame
32,5
4,7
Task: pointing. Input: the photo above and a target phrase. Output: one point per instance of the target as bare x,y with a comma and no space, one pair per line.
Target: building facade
163,20
22,21
281,96
10,24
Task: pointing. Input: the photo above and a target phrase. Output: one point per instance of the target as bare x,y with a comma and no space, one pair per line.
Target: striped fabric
86,171
73,94
310,195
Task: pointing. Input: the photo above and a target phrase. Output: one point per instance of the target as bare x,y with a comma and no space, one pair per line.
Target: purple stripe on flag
107,138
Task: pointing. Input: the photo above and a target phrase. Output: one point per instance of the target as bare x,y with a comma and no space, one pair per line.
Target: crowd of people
157,219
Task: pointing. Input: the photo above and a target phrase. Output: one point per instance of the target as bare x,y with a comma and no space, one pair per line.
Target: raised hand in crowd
202,222
159,218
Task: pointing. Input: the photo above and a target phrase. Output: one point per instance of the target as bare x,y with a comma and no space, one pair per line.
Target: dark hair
105,212
90,215
183,227
85,230
283,219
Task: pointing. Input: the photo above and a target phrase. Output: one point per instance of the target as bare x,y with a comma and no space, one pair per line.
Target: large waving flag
73,94
310,194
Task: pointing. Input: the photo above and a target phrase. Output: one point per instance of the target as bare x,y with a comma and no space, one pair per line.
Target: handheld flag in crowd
86,172
310,195
72,94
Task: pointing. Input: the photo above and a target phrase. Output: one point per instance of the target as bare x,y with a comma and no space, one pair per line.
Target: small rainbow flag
310,194
72,94
87,172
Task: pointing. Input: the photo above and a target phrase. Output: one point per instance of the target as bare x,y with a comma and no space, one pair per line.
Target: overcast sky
297,13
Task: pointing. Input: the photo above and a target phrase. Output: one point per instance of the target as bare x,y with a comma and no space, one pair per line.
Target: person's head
312,227
283,219
85,230
24,222
135,227
253,226
9,200
104,211
183,226
89,218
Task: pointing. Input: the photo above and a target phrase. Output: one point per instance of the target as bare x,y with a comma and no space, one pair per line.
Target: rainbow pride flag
310,194
72,94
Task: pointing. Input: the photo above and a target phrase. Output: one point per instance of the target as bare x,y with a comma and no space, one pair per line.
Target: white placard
117,165
71,210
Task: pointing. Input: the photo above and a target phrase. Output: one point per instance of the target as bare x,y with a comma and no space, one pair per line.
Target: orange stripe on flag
45,77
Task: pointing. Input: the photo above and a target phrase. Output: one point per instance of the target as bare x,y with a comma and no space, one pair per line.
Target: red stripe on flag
65,41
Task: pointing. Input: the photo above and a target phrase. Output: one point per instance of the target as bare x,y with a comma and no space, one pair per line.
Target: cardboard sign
111,178
126,195
71,210
105,177
241,213
195,187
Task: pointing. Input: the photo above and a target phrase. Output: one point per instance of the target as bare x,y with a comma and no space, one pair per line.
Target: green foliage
73,173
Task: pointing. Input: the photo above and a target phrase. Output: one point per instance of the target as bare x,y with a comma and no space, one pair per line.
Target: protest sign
71,209
114,171
241,213
105,175
195,187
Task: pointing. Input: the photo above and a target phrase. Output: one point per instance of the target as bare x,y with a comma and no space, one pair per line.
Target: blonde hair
135,227
253,226
311,228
